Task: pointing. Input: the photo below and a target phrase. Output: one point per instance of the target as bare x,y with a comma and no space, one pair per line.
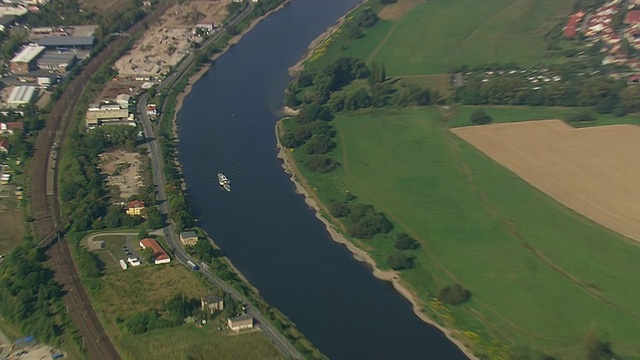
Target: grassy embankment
541,275
122,294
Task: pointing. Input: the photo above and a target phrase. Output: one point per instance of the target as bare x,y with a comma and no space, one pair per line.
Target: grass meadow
124,293
435,35
541,275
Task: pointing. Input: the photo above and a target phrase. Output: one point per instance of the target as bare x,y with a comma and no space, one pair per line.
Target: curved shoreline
198,75
302,187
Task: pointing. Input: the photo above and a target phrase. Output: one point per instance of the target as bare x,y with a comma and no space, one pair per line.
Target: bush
479,117
620,111
321,163
399,261
338,209
405,242
582,116
454,294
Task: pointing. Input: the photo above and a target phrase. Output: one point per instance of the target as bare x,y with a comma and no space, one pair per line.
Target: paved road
169,230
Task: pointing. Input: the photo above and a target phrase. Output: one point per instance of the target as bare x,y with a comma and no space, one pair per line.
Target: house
159,255
11,127
188,238
207,26
632,17
134,208
4,146
211,303
240,323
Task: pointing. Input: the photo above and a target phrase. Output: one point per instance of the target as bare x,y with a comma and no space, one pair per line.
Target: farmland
541,275
428,37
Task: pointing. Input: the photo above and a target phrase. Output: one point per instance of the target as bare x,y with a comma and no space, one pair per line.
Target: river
266,229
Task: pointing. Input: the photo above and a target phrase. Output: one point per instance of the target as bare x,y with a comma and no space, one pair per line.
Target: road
169,230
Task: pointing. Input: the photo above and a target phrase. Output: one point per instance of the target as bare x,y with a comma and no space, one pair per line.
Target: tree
319,144
405,242
288,140
339,209
147,255
399,261
454,294
479,117
321,163
154,218
596,349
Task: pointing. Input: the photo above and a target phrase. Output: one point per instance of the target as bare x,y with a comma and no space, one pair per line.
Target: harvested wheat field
594,171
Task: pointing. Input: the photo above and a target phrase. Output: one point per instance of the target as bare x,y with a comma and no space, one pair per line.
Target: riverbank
302,187
204,69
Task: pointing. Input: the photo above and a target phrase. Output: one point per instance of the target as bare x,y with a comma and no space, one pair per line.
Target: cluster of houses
601,26
214,303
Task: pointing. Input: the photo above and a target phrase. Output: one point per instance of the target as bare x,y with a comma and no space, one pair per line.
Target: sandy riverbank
193,79
302,187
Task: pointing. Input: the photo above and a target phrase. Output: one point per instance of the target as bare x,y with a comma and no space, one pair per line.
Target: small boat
224,181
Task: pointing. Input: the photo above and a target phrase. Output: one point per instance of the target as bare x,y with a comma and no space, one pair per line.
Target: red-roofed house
632,17
572,24
159,255
135,207
4,146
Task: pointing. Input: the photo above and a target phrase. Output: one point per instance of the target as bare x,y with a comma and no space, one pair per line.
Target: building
159,255
211,303
134,208
134,261
188,238
21,95
208,26
632,17
98,115
240,323
123,100
56,61
13,10
66,42
11,127
25,60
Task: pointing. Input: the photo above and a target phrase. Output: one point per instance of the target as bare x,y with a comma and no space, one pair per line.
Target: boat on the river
224,181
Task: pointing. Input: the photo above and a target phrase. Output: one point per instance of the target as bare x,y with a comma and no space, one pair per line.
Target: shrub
338,209
454,294
405,242
620,111
399,261
321,163
479,117
582,116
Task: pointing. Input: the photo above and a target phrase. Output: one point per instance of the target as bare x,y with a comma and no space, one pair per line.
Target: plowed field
594,171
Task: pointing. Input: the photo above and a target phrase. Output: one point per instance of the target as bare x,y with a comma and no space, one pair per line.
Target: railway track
45,204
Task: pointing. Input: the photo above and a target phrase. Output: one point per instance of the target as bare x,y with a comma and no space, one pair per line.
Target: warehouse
66,42
99,115
56,61
21,95
25,60
159,255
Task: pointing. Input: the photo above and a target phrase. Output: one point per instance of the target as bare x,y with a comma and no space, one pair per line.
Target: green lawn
501,114
434,35
541,275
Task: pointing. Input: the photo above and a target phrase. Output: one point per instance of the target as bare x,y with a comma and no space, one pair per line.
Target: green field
502,114
434,35
541,276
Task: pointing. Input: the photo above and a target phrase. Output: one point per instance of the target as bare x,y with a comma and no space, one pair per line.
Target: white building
21,95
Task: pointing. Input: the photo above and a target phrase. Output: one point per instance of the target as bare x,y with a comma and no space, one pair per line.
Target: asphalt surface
169,230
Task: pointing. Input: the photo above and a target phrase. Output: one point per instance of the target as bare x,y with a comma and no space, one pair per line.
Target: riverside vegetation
487,255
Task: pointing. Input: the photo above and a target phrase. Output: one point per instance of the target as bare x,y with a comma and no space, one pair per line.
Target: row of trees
363,221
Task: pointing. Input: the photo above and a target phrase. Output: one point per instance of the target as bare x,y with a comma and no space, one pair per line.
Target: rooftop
58,58
67,41
27,54
21,94
135,204
188,234
158,251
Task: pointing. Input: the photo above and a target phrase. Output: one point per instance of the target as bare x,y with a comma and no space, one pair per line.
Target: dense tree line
363,221
31,298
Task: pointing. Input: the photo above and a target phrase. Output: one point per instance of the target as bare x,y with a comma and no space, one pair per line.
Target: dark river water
266,229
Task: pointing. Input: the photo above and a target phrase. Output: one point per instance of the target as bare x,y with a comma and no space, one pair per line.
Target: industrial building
66,42
99,115
21,95
56,61
240,323
25,60
159,255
